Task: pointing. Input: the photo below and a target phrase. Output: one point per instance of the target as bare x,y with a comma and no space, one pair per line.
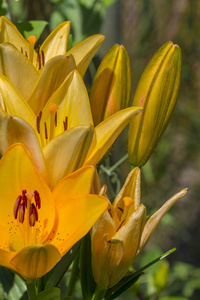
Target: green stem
74,275
99,294
31,290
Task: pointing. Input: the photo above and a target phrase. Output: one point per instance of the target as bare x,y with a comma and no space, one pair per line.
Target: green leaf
12,285
173,298
88,284
55,275
127,281
31,28
51,293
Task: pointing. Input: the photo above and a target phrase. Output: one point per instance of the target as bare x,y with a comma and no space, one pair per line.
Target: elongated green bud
111,88
157,93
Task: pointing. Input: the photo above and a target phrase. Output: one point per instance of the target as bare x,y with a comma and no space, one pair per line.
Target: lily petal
155,219
35,261
56,42
16,130
107,132
72,101
84,51
88,209
67,152
18,69
52,76
13,103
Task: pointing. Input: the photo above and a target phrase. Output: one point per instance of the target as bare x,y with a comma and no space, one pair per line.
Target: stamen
21,212
22,50
121,209
39,58
37,199
38,121
43,58
26,54
109,210
53,119
33,215
65,123
120,225
16,206
45,130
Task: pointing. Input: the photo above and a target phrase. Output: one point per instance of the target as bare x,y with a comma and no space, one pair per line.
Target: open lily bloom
39,226
121,233
61,133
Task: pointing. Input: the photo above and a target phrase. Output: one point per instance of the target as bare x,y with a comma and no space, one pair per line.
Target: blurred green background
143,26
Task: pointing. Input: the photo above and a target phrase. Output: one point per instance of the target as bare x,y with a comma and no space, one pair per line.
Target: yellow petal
66,153
72,101
85,50
131,188
34,261
5,258
10,34
111,87
13,103
155,219
107,132
52,76
56,42
18,69
17,173
76,217
16,130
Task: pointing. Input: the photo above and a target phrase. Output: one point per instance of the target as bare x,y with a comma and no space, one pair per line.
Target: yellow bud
111,87
157,93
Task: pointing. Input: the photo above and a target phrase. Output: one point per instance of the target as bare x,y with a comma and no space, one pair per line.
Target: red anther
21,212
38,121
26,54
45,130
37,199
43,58
120,225
109,210
16,206
65,123
39,58
22,50
121,209
55,120
33,215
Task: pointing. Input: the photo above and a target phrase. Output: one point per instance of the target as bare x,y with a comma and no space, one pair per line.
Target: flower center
24,204
48,132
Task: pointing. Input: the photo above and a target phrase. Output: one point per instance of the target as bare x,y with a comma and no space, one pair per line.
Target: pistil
31,39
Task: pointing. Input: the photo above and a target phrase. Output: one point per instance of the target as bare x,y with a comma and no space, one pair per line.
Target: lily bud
157,93
120,234
111,88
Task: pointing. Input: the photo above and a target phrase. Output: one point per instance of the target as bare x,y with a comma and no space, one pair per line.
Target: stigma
28,203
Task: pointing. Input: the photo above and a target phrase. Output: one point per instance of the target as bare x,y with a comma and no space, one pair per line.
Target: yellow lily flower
53,130
54,45
111,87
121,233
39,226
157,93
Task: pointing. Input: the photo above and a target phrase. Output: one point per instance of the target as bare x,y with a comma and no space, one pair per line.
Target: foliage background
143,26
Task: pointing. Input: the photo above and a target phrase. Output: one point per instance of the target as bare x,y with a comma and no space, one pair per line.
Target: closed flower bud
111,87
157,93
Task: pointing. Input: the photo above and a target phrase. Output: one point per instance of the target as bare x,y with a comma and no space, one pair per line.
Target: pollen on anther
45,130
65,123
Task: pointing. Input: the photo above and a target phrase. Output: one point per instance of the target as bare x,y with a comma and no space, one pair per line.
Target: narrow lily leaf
18,69
84,51
12,284
52,293
155,219
126,282
52,76
88,284
107,132
16,130
66,153
13,103
10,34
72,102
55,275
56,43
